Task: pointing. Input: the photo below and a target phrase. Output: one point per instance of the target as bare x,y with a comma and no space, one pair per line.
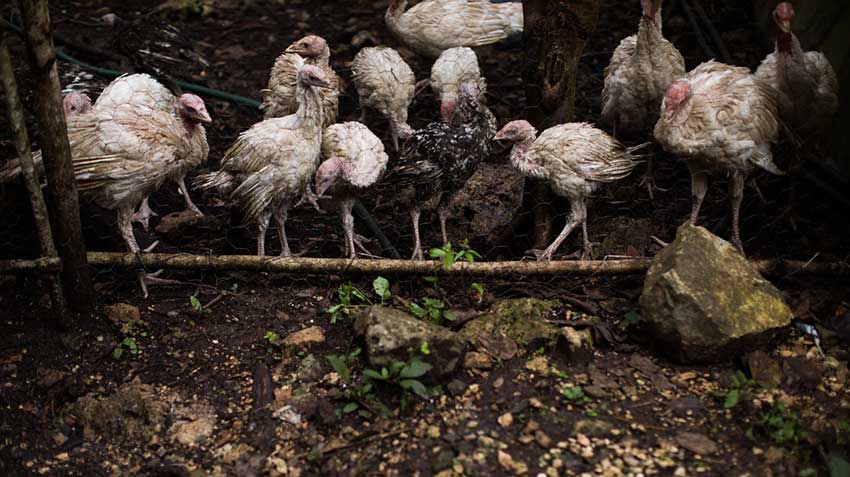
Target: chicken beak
203,117
293,49
785,26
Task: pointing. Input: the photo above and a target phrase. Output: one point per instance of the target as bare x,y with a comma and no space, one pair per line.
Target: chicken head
313,76
677,94
327,174
310,46
76,103
783,15
516,131
192,108
650,8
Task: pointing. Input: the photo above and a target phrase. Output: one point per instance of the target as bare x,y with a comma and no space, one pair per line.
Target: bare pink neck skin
784,41
521,149
190,125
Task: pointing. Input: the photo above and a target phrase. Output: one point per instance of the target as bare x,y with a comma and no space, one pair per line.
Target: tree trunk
62,188
555,33
15,113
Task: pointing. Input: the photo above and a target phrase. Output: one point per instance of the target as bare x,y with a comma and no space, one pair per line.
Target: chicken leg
417,244
280,219
699,186
736,195
125,227
443,214
144,214
578,215
262,227
181,184
348,227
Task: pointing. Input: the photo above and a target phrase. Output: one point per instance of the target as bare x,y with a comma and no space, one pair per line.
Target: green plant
741,387
631,319
433,308
127,346
381,286
348,296
405,376
196,304
449,255
573,392
479,290
272,341
782,425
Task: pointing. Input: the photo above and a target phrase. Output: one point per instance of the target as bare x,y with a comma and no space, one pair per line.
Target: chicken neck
521,161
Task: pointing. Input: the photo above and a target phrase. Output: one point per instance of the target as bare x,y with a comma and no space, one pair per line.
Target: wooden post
62,188
554,33
15,114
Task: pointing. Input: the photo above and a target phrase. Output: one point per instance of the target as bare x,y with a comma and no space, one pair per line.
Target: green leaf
382,288
414,369
371,373
424,349
479,289
732,399
118,352
196,304
417,310
416,386
350,407
339,366
430,279
449,315
359,294
437,253
838,466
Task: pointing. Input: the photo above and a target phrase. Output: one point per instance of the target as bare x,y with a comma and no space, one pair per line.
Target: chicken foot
648,179
417,244
125,227
577,216
181,184
353,241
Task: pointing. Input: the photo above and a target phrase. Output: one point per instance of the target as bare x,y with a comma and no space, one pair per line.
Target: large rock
392,335
520,320
704,302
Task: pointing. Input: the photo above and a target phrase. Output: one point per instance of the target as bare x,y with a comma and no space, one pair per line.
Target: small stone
309,370
62,456
592,427
542,439
535,403
498,383
539,365
456,387
582,440
506,419
305,337
434,432
476,360
696,443
531,427
506,461
443,460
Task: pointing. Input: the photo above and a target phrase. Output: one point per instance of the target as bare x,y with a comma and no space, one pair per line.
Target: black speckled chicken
437,160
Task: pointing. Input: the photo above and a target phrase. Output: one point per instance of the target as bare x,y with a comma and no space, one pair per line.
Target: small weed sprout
349,296
381,286
432,308
272,341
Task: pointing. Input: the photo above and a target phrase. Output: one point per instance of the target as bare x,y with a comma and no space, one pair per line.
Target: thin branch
775,267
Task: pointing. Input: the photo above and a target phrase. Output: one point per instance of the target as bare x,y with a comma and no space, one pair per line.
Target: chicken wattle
453,68
431,26
576,159
720,119
354,160
280,97
270,165
384,83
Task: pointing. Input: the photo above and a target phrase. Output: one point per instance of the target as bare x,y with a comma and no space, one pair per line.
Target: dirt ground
204,352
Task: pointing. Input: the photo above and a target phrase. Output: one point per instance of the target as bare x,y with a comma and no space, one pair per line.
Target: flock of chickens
137,136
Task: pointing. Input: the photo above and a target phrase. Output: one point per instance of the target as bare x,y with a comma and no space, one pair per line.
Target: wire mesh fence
493,213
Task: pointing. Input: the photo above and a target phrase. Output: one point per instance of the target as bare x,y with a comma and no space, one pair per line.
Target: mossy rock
521,320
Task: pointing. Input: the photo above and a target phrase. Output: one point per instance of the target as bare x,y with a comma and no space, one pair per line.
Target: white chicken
720,118
272,163
432,26
123,154
636,79
575,158
453,68
805,83
354,161
280,97
384,83
144,90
